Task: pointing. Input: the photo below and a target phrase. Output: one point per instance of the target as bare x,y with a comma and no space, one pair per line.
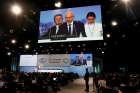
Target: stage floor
78,86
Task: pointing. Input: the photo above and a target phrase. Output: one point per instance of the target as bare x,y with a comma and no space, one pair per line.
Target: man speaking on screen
55,32
73,28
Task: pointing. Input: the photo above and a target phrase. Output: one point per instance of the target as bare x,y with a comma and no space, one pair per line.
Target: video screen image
71,24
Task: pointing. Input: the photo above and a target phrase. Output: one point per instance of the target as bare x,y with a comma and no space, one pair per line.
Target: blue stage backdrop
76,63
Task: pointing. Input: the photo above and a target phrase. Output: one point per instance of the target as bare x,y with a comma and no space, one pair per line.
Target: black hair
91,14
58,15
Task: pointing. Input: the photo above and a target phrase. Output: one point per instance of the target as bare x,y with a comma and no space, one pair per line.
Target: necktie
69,28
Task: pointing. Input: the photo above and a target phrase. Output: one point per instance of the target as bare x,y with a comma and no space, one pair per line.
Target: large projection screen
82,28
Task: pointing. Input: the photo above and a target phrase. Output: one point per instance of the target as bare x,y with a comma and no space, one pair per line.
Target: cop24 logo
66,61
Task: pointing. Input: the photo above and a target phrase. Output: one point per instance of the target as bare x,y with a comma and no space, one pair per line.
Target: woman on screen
92,28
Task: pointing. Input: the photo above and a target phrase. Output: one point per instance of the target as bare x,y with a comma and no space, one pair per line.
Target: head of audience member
86,69
58,19
138,91
69,17
91,17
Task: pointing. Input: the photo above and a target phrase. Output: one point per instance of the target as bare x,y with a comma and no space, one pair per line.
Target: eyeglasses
69,17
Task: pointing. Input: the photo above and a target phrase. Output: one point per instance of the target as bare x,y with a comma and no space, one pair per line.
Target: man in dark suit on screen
72,28
54,33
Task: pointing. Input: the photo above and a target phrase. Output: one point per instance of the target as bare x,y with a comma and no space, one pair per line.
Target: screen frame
72,39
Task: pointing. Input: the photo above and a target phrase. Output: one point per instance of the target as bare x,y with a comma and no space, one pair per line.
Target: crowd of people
20,82
15,82
117,83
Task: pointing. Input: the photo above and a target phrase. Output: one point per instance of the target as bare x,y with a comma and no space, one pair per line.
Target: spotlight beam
125,1
16,9
58,4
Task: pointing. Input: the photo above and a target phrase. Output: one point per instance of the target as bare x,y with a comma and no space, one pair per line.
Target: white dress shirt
57,28
93,30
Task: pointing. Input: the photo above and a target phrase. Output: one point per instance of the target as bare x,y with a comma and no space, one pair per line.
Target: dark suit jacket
52,31
51,34
78,28
77,62
86,77
84,62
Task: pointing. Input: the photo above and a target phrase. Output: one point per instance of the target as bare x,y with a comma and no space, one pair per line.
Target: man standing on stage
86,78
